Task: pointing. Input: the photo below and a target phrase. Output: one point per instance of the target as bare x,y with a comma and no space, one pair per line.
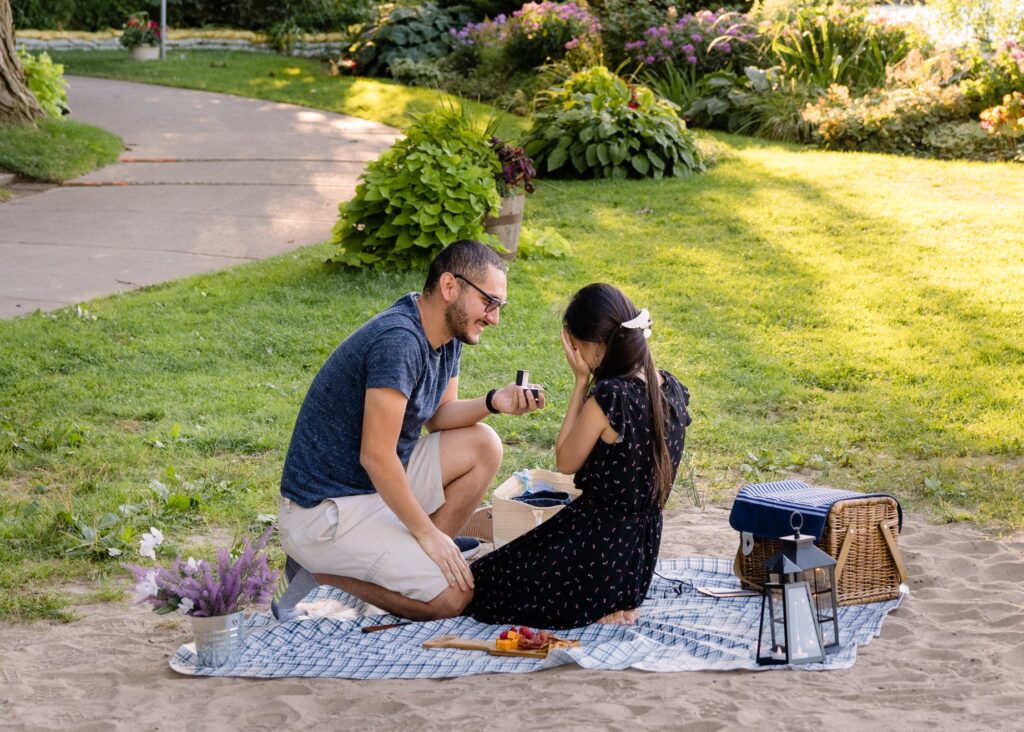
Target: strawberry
504,635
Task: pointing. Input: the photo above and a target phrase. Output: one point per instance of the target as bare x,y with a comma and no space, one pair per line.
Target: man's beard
457,320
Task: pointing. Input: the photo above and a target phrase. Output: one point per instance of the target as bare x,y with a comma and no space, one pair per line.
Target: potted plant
141,37
514,181
212,594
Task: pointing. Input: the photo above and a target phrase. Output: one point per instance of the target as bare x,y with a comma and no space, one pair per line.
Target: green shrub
761,102
429,189
956,140
623,20
596,125
420,73
46,81
705,41
893,120
836,44
539,33
992,75
416,33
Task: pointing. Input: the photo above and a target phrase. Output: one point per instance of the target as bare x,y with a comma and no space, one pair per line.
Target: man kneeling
370,505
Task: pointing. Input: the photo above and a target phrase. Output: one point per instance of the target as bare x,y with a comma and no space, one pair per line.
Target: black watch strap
489,402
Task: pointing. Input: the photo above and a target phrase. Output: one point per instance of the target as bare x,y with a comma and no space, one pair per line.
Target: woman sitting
622,436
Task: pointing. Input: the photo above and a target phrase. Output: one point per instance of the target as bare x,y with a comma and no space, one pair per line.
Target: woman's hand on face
579,367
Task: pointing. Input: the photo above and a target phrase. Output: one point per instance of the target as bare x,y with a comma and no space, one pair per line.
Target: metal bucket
220,639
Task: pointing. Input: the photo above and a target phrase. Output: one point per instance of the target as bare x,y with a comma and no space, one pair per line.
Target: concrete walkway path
206,181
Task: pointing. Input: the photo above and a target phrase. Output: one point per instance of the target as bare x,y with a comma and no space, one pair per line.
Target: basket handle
894,550
844,552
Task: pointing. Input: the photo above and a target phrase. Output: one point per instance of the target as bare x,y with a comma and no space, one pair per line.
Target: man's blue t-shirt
390,351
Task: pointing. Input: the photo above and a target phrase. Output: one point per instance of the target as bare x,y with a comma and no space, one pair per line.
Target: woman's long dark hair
596,314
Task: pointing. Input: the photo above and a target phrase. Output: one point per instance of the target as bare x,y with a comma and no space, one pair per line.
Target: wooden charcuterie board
472,644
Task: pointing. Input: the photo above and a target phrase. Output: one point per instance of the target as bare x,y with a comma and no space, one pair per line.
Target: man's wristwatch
489,402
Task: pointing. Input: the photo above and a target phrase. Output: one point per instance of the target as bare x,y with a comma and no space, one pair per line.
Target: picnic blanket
680,629
764,509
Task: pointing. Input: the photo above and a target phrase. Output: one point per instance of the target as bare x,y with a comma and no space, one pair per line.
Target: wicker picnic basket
861,535
513,518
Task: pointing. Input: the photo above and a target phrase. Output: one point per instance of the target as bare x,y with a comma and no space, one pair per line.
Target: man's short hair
466,257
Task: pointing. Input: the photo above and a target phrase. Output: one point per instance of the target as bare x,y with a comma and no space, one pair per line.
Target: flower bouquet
212,594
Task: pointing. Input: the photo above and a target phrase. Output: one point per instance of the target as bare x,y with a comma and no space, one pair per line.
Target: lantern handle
796,522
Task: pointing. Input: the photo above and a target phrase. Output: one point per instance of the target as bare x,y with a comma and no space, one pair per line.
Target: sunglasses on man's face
493,303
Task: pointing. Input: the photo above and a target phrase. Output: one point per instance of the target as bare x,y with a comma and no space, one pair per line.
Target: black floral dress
597,555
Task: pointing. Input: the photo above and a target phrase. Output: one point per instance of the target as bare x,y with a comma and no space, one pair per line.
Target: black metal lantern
799,609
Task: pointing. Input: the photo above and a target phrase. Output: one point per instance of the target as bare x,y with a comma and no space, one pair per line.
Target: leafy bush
837,44
415,33
536,34
429,189
993,75
548,31
761,102
704,42
419,73
46,81
954,140
887,120
622,20
607,128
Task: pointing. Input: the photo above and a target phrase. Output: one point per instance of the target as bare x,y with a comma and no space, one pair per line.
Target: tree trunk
17,103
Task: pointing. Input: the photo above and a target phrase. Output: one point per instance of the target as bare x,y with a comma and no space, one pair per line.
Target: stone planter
507,223
220,639
145,53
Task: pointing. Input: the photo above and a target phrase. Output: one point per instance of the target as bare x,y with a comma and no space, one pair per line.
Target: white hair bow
642,321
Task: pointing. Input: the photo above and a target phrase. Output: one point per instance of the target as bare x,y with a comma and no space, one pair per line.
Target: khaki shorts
360,537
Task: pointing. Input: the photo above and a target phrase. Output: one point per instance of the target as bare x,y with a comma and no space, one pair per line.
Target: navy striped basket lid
764,509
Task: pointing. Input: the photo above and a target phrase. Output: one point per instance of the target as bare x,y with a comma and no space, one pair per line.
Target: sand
952,656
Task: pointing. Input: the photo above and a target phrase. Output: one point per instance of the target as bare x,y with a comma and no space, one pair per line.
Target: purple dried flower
204,592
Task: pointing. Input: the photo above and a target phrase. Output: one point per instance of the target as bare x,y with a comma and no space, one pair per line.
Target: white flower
146,587
192,565
185,606
150,541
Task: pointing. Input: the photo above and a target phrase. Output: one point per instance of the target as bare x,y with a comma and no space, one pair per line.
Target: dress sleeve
608,395
680,399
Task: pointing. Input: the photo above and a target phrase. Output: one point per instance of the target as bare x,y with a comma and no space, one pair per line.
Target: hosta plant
598,125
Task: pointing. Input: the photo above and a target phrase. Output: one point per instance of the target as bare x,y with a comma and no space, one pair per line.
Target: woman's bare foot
621,617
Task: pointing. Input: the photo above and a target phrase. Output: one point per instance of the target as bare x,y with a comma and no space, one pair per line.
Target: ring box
523,379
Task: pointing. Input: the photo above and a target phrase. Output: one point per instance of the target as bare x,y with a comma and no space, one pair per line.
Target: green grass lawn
853,319
56,149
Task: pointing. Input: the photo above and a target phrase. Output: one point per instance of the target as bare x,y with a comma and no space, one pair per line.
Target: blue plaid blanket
764,509
679,630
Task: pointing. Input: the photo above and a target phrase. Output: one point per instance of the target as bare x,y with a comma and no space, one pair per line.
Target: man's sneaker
468,546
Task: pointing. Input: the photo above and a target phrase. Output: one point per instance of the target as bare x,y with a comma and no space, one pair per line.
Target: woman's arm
584,422
580,432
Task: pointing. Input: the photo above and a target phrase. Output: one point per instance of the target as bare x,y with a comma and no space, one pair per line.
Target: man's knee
489,442
449,604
